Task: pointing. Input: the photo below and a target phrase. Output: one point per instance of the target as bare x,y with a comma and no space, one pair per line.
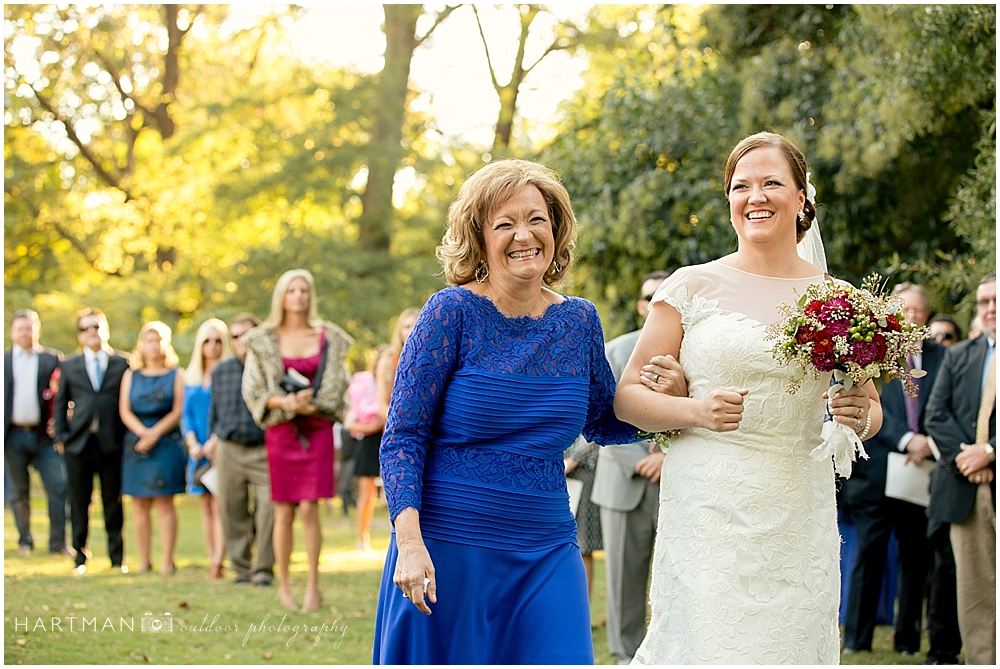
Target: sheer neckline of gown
549,311
733,291
719,262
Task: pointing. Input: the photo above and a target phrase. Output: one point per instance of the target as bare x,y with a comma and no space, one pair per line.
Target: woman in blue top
498,377
212,345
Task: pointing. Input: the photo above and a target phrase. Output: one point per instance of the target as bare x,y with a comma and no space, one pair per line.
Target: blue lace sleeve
425,367
602,426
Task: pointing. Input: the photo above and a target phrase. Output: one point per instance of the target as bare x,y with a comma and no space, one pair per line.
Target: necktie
912,403
987,402
98,373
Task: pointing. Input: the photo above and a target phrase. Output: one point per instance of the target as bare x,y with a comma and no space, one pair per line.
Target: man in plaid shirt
236,449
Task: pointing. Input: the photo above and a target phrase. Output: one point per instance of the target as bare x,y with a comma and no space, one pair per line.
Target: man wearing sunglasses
89,433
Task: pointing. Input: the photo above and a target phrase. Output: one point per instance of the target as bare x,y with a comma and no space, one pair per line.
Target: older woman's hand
664,375
415,574
851,408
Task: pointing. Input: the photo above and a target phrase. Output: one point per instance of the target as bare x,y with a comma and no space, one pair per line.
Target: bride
746,564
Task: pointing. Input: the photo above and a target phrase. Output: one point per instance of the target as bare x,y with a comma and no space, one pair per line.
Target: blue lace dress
482,409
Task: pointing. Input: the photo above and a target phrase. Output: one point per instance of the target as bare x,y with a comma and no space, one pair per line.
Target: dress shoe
262,580
242,578
82,556
908,653
24,551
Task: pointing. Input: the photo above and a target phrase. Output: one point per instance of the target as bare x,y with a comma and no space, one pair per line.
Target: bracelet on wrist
868,426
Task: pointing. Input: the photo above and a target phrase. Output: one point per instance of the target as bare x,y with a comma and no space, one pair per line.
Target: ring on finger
656,378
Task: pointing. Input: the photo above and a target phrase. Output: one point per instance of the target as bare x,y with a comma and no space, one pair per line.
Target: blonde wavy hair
170,358
396,343
194,375
277,315
462,249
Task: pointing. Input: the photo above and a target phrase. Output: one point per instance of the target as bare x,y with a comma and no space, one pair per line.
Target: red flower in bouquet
859,331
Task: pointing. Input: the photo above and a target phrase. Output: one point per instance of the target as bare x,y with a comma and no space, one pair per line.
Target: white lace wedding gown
746,567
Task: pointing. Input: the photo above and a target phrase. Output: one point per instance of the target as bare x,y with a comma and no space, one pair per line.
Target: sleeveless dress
195,419
746,565
159,471
297,473
481,412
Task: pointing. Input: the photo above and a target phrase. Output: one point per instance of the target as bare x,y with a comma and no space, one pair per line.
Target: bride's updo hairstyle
796,161
463,248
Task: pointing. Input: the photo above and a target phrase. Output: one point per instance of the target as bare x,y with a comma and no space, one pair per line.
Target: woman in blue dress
212,345
152,394
498,377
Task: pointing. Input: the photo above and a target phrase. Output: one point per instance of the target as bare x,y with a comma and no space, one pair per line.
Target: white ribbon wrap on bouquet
839,441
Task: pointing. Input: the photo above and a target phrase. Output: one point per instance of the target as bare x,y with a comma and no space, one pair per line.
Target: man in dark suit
27,378
875,515
961,420
90,435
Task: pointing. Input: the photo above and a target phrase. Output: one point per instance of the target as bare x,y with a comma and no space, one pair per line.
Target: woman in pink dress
295,342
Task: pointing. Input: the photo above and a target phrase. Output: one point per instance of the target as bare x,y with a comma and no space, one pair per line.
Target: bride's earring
802,216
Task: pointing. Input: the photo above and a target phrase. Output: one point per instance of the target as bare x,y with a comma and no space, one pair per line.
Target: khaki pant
974,544
242,469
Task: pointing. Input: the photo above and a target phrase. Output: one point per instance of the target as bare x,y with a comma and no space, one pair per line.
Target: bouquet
856,333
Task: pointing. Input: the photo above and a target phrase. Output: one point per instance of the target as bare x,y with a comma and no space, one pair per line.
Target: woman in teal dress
211,346
153,458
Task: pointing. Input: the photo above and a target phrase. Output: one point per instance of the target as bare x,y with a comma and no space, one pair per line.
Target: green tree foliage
263,170
890,104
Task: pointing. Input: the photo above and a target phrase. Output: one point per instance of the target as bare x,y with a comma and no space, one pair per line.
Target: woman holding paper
294,385
498,377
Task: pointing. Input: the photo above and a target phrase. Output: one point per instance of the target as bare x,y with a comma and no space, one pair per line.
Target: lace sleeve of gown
603,426
425,367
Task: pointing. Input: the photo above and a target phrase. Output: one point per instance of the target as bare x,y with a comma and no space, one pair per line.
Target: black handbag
290,385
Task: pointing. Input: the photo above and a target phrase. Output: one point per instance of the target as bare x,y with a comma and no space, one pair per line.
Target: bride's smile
763,199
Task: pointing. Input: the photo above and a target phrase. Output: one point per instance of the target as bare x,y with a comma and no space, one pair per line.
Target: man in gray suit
626,487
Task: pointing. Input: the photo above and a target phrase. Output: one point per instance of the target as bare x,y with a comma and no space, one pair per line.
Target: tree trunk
385,149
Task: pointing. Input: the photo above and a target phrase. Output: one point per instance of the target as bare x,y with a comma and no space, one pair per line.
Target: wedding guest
362,434
876,516
579,461
745,569
945,330
366,465
152,400
236,449
975,329
961,419
298,425
89,433
211,346
626,487
29,372
498,377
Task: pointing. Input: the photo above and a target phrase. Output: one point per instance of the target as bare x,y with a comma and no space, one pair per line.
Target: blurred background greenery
160,164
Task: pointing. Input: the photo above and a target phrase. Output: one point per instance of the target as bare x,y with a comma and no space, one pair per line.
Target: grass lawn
52,616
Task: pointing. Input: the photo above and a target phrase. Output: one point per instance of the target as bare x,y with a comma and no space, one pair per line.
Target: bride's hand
850,408
722,409
664,375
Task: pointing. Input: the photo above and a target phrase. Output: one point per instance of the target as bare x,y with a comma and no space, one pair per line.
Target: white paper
575,488
908,482
210,479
